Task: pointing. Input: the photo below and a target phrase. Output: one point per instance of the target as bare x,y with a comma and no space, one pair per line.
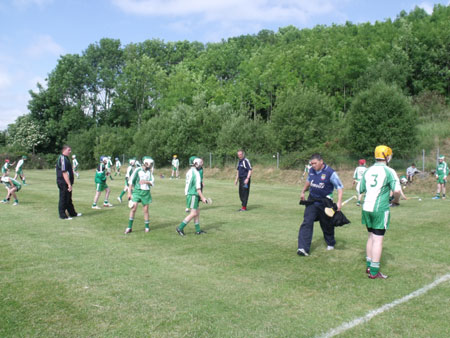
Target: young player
12,186
378,182
100,182
75,165
19,169
307,167
109,165
441,176
193,194
357,175
175,165
118,165
130,169
6,166
139,191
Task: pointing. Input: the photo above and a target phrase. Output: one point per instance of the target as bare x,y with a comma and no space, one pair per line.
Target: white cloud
43,45
231,10
428,7
5,80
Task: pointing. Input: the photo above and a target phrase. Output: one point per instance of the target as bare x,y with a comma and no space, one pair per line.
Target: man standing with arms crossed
243,174
64,179
321,182
377,182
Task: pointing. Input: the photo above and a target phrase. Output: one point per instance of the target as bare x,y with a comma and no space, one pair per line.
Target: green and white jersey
109,164
5,167
118,164
75,163
19,165
193,182
6,180
129,171
175,163
100,174
377,182
442,169
359,172
140,174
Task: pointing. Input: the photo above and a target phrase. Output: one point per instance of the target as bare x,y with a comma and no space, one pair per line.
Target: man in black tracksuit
243,174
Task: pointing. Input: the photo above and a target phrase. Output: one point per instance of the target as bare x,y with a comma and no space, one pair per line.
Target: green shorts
441,180
142,196
174,168
101,186
192,201
376,220
19,172
75,168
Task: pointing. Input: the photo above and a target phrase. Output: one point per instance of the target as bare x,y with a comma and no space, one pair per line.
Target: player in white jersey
118,166
357,176
75,165
139,191
175,165
19,169
130,169
377,182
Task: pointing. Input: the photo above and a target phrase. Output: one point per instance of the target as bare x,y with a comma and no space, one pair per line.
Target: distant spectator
410,172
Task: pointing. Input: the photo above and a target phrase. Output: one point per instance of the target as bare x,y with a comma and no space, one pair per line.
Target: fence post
423,161
210,160
278,160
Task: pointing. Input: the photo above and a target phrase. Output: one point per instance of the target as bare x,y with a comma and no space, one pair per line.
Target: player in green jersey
139,191
109,165
100,183
130,169
442,172
377,183
193,192
6,166
12,186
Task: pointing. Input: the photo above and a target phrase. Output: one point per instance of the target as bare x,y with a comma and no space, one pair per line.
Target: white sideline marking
349,325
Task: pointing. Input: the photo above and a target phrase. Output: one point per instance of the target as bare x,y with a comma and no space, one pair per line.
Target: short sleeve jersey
129,171
100,174
19,165
5,167
442,169
377,182
359,172
193,182
175,162
7,181
141,174
118,164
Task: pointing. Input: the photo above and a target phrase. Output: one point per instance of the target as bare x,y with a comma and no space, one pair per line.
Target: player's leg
191,203
105,202
146,218
97,196
305,232
369,250
443,190
327,229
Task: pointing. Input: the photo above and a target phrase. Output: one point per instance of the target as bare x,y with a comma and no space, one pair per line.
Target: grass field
84,277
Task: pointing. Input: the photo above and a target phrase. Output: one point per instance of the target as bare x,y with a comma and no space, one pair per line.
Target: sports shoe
128,230
79,214
107,204
329,248
443,197
95,207
368,271
147,229
16,203
180,232
4,201
242,209
201,232
378,275
68,218
358,204
119,199
302,252
435,198
393,205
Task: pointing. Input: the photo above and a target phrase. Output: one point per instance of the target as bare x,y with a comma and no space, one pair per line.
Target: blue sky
34,33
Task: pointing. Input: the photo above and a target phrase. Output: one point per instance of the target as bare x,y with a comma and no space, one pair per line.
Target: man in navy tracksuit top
243,174
321,182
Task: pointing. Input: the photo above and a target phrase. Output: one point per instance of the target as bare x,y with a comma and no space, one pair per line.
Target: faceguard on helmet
116,158
132,161
198,162
138,164
383,153
148,161
191,160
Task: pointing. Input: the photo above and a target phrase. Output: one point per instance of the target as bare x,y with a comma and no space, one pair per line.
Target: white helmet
198,162
73,156
148,161
403,180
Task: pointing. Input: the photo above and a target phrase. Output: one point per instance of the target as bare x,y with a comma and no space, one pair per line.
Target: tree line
339,88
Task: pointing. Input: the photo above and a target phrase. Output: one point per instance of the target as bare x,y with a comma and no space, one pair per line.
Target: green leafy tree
27,134
382,114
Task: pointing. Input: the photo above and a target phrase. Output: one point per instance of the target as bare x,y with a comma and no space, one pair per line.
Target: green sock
94,204
147,224
182,226
105,202
374,268
17,201
197,227
24,181
130,223
368,261
121,194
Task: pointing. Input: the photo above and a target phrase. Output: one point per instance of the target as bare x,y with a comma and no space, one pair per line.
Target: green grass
84,277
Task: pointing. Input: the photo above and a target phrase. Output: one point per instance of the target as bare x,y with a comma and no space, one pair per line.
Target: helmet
116,158
148,161
7,160
198,162
24,157
132,161
191,160
73,156
362,161
174,156
383,153
403,180
441,157
102,158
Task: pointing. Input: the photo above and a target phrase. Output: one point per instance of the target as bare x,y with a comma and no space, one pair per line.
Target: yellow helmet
383,153
174,156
